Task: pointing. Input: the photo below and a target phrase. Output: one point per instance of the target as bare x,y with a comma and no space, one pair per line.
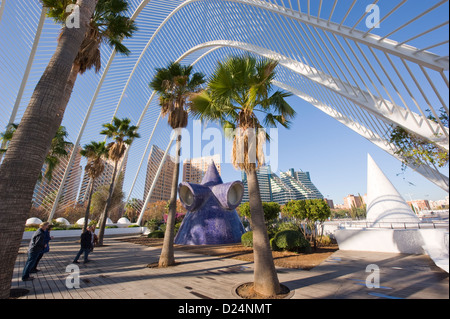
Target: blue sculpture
211,218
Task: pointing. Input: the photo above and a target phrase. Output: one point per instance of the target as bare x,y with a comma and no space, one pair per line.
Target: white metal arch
433,175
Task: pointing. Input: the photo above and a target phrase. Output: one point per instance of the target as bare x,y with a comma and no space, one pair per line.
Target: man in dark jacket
86,246
35,248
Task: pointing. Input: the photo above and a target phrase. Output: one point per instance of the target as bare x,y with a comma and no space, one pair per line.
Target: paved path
118,271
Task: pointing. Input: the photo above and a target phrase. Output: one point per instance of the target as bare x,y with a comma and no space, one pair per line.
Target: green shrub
57,225
113,226
134,225
31,228
325,240
153,224
156,234
287,226
273,245
247,239
177,227
291,240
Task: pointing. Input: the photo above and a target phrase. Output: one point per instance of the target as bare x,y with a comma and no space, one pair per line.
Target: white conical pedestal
384,203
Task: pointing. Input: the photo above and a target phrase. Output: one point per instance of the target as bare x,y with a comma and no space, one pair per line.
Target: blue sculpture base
211,225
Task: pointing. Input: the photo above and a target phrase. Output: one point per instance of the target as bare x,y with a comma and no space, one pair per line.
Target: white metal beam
396,115
431,174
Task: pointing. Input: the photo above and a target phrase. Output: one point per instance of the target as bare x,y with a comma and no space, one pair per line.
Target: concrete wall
77,232
408,241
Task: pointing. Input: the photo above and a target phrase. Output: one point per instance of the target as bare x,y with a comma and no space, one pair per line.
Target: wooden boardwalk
118,271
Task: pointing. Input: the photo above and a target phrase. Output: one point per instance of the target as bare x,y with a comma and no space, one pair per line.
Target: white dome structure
384,202
123,222
63,221
33,221
80,222
109,222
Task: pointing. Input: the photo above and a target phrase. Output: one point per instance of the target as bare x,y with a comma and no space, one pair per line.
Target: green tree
175,86
108,24
101,196
122,134
271,210
95,153
239,89
309,211
415,150
58,149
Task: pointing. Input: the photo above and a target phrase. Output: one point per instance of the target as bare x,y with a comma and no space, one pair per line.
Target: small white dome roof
109,222
123,220
33,220
63,221
81,221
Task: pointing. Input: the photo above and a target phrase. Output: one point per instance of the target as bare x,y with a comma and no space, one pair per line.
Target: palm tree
7,135
175,85
29,146
95,153
108,24
122,134
58,149
238,89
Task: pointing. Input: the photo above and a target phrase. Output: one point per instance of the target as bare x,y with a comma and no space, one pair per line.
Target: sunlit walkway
118,271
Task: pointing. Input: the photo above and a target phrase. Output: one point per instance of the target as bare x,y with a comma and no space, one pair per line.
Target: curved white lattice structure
371,75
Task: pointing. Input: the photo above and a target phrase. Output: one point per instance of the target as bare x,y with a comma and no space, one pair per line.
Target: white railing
394,225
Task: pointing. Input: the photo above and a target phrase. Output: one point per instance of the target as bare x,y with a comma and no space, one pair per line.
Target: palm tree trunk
29,146
265,275
104,215
70,83
86,214
167,257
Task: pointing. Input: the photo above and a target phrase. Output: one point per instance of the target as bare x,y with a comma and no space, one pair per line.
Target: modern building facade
45,191
420,204
195,168
353,201
103,179
290,185
162,190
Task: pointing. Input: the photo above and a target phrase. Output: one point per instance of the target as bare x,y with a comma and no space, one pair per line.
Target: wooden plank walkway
118,271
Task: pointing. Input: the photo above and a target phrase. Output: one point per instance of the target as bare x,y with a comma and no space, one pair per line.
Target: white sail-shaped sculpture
384,203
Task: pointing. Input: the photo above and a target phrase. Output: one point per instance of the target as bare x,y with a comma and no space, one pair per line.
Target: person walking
94,238
86,246
35,248
46,249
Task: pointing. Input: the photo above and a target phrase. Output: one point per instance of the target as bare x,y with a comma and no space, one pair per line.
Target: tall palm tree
58,149
30,144
175,85
95,152
123,135
239,89
108,24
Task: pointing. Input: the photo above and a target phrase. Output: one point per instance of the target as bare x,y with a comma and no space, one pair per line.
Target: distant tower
195,168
